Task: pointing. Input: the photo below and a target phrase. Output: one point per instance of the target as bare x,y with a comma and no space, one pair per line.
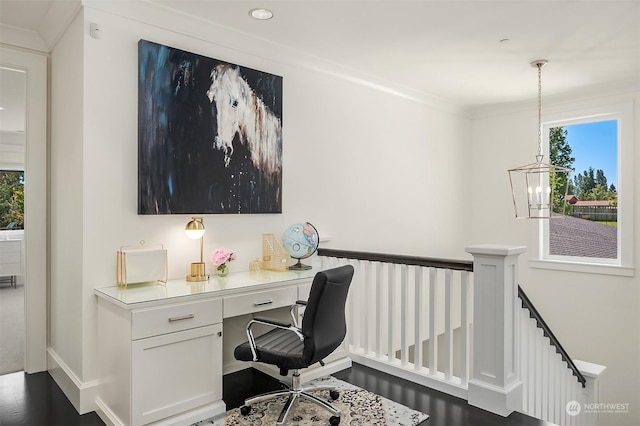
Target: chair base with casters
294,392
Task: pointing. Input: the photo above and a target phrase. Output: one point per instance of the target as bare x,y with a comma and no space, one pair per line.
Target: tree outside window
11,199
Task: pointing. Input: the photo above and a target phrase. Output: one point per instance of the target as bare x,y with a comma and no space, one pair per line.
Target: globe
300,241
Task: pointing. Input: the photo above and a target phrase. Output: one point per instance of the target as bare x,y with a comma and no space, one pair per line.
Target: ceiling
443,49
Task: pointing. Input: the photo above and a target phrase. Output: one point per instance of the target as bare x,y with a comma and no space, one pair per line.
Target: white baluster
572,397
538,373
356,307
448,323
564,389
379,309
551,374
557,384
391,298
524,358
433,330
366,307
417,347
532,366
465,298
544,371
404,317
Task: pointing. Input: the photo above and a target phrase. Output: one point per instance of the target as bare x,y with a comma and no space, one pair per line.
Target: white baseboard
81,394
436,381
189,417
107,415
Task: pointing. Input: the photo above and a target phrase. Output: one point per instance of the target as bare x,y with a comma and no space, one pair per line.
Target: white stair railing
411,319
554,386
429,320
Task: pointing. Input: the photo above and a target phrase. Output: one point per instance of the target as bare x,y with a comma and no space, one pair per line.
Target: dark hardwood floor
36,400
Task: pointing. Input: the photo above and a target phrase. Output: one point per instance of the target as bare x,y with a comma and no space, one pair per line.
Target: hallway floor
11,327
36,400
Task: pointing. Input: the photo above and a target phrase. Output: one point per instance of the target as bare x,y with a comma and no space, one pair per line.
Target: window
11,199
596,227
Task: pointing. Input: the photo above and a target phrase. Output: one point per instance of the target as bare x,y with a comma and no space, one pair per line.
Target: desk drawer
259,301
178,317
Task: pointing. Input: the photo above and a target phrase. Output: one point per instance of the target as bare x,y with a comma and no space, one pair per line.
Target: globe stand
299,267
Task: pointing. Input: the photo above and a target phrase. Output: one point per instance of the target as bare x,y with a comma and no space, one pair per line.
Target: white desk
163,352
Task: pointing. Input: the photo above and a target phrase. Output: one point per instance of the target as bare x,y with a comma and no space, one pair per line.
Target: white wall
596,317
66,316
374,170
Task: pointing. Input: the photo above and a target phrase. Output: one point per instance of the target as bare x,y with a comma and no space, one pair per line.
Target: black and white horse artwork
241,112
209,135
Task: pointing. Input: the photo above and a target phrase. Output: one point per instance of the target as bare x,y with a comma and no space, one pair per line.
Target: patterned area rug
358,406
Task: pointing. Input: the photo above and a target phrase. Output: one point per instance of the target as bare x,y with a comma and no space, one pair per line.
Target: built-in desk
162,350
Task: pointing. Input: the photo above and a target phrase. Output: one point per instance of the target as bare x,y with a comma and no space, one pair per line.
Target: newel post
495,384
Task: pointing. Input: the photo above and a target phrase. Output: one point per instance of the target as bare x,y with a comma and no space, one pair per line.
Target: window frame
624,263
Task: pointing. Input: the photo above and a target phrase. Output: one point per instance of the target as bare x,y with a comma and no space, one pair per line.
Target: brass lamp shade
195,230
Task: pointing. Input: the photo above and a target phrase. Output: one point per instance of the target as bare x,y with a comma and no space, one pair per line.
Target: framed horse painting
209,135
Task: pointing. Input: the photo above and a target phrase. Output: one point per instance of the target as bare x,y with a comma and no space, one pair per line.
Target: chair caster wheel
334,394
245,410
334,420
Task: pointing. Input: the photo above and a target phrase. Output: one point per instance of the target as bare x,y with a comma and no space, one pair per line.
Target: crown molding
51,29
160,16
19,37
624,89
58,18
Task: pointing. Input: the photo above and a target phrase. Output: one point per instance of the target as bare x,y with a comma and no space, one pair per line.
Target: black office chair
290,347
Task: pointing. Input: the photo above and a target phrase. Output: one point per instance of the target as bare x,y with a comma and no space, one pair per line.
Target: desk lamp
195,230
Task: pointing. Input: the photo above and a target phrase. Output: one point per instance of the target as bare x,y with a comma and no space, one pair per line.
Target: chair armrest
294,311
272,323
269,321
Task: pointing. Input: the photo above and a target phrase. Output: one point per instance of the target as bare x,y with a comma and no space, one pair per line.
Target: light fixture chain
539,109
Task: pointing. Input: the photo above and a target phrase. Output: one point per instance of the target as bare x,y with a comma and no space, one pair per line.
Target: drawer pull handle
183,317
266,302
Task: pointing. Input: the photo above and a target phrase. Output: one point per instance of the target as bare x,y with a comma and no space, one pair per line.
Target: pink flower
222,255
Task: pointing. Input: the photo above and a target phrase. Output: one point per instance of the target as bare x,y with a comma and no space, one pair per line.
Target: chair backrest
324,325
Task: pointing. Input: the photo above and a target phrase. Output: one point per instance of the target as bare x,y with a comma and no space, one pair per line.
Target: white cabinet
176,372
10,259
160,365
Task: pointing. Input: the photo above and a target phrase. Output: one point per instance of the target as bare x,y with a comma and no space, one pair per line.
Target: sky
595,145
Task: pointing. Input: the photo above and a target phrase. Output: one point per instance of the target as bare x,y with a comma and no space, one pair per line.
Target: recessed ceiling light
261,14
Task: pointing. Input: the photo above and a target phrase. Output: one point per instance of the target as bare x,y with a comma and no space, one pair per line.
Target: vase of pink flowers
221,257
